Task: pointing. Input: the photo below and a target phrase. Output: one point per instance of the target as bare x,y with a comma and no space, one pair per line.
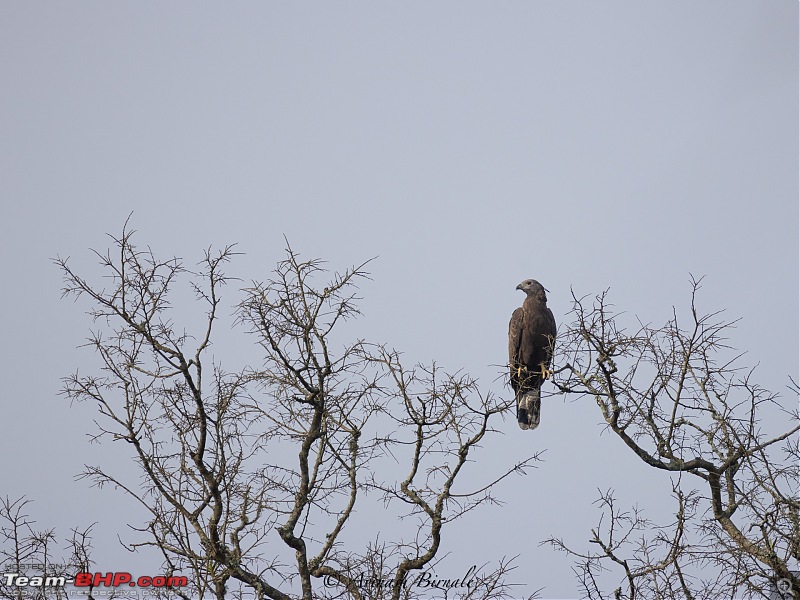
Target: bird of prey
531,334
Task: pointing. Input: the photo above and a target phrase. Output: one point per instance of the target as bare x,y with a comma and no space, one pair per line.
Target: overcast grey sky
468,145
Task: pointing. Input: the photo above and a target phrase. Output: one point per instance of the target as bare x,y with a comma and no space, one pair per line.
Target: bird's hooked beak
519,287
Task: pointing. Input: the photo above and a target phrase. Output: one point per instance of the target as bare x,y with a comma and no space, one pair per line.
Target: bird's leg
546,373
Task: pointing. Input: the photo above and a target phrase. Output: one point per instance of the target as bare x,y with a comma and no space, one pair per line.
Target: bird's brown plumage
531,333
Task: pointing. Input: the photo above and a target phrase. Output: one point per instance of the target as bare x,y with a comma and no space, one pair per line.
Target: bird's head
531,287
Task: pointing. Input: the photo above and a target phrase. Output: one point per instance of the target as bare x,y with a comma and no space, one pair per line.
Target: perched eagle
531,333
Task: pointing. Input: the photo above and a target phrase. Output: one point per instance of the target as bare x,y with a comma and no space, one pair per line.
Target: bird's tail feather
529,407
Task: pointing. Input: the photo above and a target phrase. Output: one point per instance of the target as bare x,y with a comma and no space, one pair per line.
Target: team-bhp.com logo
114,579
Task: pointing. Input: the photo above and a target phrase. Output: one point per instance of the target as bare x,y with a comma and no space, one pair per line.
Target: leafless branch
252,476
678,398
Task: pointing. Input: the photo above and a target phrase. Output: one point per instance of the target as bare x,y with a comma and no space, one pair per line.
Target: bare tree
678,399
253,475
33,556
